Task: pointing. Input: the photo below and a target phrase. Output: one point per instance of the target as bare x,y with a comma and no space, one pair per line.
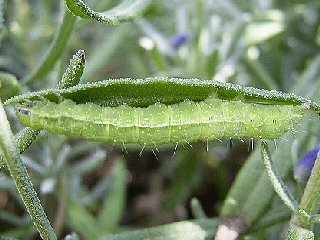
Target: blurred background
96,189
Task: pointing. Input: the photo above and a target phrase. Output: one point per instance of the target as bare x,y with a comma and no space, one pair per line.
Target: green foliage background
96,190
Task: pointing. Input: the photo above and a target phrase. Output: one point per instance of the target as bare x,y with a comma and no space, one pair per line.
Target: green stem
127,10
23,140
280,188
20,176
55,50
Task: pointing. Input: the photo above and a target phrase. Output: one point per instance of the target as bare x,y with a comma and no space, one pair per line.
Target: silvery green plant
255,42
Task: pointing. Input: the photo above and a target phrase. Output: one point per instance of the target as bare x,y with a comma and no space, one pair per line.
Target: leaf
73,73
203,229
308,77
90,164
83,222
251,193
258,32
110,214
8,238
8,86
278,213
2,9
105,51
298,233
311,196
187,171
55,51
114,203
243,184
145,92
126,11
265,25
70,78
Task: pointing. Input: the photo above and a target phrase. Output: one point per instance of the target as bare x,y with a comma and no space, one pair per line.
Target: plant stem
23,140
20,176
56,49
281,189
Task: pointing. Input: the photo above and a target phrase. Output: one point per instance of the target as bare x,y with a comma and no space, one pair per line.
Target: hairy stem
23,140
22,180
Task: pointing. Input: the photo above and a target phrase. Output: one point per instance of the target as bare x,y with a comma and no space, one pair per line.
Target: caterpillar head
23,114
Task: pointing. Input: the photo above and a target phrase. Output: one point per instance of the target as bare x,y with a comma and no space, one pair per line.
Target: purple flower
178,40
304,166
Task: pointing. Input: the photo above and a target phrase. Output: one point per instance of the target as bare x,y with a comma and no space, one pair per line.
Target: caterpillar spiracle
159,123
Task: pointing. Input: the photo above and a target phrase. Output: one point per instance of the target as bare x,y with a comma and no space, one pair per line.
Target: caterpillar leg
275,143
124,148
155,154
175,148
140,154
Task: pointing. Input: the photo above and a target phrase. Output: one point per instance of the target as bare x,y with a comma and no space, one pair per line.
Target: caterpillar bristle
140,153
275,144
175,148
154,153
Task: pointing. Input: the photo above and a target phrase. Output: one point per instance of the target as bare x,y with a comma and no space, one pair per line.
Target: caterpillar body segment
187,121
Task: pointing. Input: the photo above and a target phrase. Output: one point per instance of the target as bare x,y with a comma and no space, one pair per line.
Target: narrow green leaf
8,238
310,200
25,137
196,209
70,78
114,203
187,170
23,140
278,213
260,73
145,92
126,11
251,193
211,63
299,233
243,184
18,233
90,164
83,222
103,53
2,9
159,60
73,73
258,32
13,219
55,51
308,78
9,86
203,229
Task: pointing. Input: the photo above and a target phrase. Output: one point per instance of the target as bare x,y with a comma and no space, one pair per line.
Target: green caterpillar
186,121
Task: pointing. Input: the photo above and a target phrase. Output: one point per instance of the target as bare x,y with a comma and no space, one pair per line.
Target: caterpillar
159,123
